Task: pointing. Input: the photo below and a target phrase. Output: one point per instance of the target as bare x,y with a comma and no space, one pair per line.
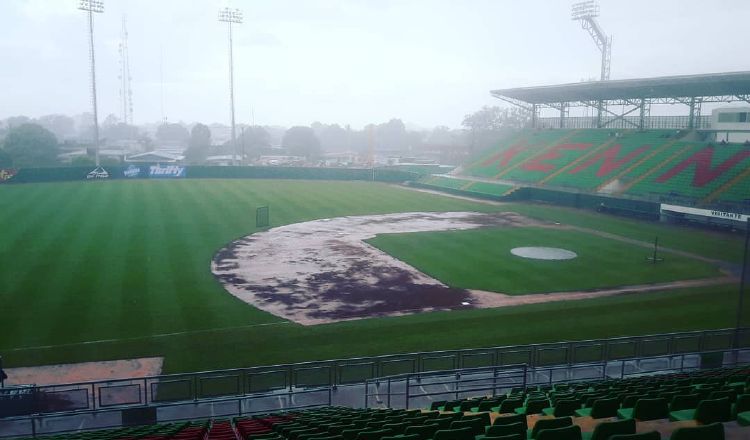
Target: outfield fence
162,172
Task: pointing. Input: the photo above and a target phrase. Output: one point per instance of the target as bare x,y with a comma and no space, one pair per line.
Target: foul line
137,338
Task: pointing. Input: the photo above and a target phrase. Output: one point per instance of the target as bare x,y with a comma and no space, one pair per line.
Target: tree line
25,142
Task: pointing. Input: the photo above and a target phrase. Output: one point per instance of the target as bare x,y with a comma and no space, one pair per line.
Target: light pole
230,16
93,6
586,12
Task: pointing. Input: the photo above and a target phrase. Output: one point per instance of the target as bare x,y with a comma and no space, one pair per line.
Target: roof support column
534,112
563,111
642,115
691,118
599,111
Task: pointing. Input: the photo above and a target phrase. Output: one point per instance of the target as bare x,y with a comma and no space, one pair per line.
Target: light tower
126,93
586,12
230,16
93,6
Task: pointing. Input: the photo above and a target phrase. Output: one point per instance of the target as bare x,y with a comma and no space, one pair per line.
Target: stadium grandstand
659,164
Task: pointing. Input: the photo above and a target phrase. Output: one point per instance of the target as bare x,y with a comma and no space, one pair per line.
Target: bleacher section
655,165
706,405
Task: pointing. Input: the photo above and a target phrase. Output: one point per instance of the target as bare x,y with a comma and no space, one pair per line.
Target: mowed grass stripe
165,219
40,261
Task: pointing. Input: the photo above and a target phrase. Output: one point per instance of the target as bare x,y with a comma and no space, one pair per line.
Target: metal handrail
253,380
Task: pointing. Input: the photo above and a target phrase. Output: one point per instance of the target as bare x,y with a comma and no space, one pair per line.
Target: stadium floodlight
230,16
586,12
93,7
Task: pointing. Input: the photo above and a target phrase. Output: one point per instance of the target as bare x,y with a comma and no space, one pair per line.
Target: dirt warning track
323,271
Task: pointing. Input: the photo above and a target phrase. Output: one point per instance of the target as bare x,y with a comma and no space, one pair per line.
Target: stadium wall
156,171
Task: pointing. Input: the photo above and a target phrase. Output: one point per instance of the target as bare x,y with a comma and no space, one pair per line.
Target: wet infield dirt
322,271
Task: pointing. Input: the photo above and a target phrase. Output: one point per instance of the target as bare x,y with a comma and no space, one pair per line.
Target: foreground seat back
604,430
568,433
542,424
715,410
651,409
714,431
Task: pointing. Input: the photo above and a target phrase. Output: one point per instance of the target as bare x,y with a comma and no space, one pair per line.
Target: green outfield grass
481,259
112,270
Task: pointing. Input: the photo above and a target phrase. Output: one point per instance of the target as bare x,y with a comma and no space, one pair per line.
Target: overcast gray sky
428,62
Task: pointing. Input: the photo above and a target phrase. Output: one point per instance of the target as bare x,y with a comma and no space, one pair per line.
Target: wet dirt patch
322,271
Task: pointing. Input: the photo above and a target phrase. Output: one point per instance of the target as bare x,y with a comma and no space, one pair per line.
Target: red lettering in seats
538,164
504,156
704,173
611,163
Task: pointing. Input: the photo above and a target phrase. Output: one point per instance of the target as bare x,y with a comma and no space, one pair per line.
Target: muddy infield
322,271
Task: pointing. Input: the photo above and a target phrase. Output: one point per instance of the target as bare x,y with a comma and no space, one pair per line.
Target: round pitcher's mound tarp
543,253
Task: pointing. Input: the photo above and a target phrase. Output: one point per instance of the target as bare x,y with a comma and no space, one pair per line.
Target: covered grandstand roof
684,86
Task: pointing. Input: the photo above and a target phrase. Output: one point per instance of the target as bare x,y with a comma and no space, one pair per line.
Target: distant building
729,119
155,157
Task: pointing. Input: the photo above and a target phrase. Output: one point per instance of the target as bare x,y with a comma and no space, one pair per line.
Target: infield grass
481,259
121,269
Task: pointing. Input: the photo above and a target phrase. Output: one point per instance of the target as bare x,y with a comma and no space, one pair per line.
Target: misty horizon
346,63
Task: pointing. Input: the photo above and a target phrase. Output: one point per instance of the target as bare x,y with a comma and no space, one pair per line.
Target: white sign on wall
705,212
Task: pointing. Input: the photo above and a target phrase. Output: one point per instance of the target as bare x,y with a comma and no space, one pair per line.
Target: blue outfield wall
156,171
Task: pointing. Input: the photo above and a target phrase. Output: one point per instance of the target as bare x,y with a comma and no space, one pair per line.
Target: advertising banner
167,171
705,212
98,173
132,172
6,174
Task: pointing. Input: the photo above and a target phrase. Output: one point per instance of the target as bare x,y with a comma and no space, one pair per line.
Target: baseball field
94,271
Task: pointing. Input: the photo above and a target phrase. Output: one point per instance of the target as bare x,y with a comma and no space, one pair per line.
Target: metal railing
628,122
402,390
237,383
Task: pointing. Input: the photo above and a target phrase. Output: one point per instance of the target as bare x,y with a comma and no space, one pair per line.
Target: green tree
172,133
198,144
301,141
31,145
5,160
253,140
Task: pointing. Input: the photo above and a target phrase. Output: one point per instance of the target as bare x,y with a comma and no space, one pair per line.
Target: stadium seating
637,400
654,164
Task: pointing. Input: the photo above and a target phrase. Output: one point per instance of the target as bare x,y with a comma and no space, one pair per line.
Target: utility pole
126,93
230,16
92,7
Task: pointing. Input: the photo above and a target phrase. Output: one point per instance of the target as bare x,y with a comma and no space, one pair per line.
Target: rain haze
428,63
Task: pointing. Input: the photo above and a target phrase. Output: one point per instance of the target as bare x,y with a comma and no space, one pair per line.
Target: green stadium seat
604,430
713,431
708,411
651,435
476,425
425,432
533,406
543,424
563,408
508,419
454,434
646,409
684,401
567,433
602,408
517,428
